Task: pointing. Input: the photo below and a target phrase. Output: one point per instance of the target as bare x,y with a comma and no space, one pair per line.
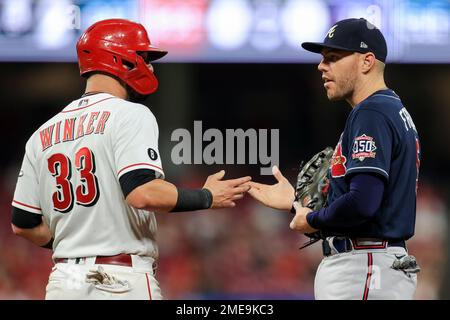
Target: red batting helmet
116,47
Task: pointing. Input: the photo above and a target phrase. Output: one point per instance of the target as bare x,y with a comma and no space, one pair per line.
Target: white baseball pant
67,281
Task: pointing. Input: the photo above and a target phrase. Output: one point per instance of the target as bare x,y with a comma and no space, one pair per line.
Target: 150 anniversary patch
364,147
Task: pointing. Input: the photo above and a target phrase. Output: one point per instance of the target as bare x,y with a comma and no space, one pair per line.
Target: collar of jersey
94,98
87,94
387,92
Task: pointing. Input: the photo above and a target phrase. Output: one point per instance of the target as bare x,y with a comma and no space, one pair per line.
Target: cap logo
331,31
363,45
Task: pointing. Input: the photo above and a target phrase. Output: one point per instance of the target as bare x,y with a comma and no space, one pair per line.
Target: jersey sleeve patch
152,153
364,146
370,143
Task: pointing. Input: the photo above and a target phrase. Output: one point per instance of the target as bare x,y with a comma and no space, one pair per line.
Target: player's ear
367,62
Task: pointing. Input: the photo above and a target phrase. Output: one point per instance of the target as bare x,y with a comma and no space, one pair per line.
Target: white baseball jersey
70,174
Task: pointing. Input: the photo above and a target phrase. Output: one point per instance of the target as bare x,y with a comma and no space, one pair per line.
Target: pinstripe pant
364,275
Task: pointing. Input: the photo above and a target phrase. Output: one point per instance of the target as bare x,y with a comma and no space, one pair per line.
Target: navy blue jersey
380,138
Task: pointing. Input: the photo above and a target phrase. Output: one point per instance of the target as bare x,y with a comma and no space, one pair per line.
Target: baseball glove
311,189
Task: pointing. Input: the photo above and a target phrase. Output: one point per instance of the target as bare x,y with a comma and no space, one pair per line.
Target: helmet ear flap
141,78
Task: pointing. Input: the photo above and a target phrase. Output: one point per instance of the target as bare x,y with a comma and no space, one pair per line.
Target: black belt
342,245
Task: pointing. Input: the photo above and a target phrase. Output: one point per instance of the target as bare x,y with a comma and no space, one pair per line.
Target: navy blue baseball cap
356,35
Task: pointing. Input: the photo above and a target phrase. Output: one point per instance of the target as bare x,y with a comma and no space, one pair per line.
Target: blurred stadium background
231,64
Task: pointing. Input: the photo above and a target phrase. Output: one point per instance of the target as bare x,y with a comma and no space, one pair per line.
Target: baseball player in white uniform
92,178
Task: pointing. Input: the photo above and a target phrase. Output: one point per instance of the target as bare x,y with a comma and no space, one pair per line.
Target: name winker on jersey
74,128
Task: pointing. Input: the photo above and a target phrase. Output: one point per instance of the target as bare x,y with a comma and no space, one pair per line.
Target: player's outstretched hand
278,196
226,192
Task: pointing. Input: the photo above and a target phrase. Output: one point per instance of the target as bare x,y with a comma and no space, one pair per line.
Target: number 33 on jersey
87,193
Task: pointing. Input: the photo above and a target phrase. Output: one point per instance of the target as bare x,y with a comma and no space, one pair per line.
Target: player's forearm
353,208
39,235
157,195
162,196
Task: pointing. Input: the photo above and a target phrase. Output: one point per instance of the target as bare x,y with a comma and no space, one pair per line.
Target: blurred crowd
247,252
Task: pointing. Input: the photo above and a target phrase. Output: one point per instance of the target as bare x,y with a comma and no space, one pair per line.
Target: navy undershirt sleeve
354,207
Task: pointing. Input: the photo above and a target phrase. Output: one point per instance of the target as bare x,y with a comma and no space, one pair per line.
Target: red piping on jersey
64,111
26,205
138,164
369,276
148,287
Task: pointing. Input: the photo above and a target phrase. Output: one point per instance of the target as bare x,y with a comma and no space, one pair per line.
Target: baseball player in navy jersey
91,178
373,175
